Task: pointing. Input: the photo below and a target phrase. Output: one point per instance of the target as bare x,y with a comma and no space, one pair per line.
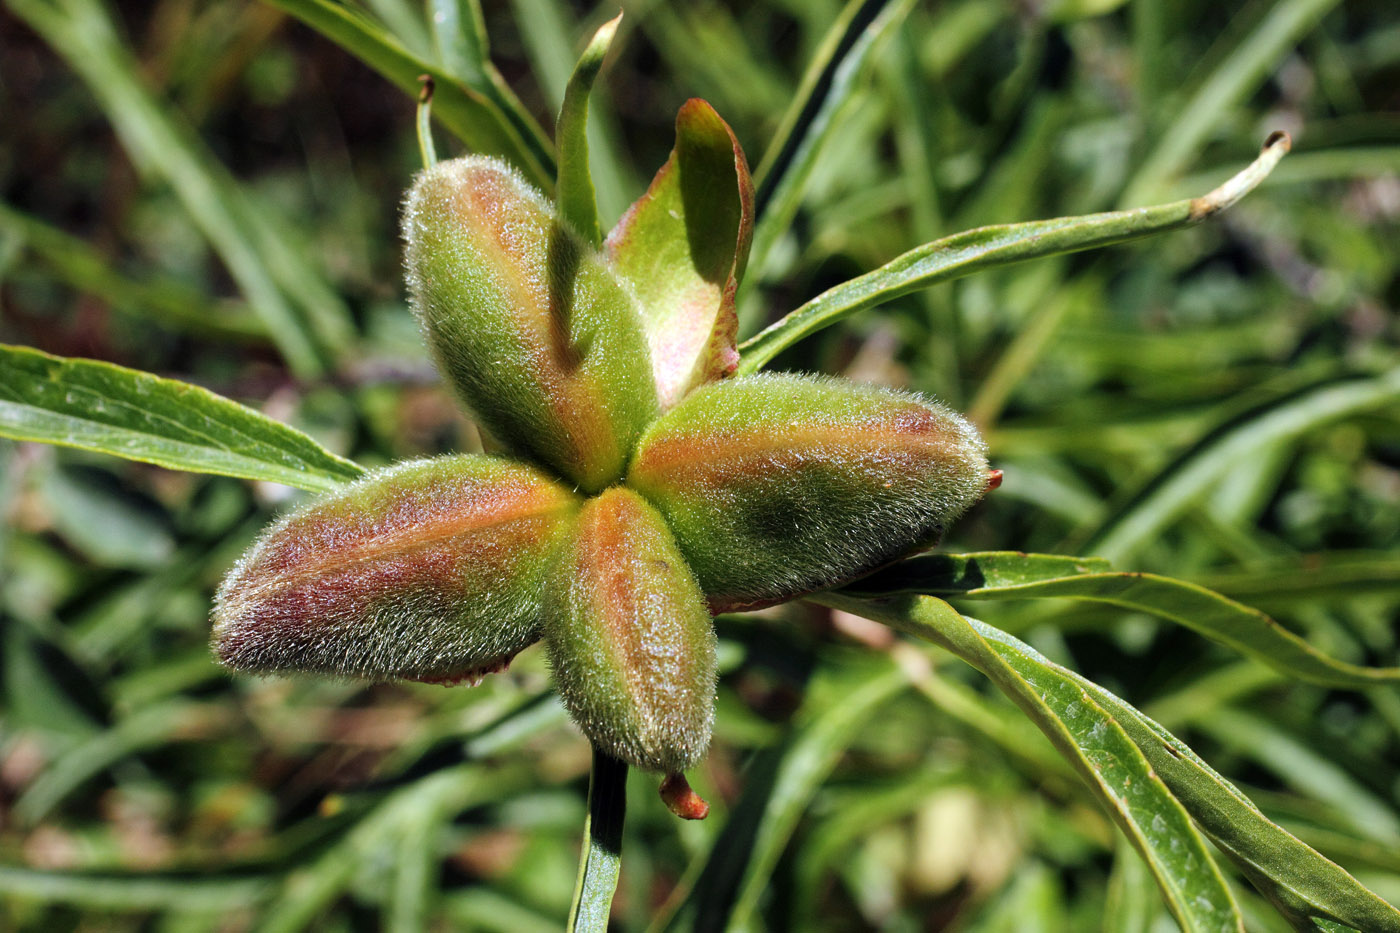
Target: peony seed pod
430,570
630,642
778,485
526,320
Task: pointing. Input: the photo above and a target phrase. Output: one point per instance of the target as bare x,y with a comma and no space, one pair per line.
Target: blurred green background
178,176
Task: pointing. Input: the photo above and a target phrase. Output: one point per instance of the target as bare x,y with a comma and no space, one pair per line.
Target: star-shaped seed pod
646,487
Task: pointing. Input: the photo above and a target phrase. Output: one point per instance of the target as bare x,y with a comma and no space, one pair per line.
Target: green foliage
1215,408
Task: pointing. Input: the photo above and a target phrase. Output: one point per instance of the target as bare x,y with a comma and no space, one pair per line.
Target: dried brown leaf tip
646,490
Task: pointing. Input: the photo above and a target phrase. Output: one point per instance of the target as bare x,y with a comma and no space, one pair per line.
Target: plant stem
602,845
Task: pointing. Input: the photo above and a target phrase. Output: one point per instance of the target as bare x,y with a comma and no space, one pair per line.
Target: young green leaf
429,570
578,205
1092,739
776,485
987,247
1012,576
138,416
683,246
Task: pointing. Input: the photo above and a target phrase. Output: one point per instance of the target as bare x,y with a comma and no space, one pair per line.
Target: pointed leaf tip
578,205
683,247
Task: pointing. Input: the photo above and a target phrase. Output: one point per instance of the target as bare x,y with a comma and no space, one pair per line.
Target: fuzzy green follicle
630,642
779,485
526,320
430,570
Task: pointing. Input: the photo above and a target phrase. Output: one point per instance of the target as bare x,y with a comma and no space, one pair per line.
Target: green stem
602,845
425,122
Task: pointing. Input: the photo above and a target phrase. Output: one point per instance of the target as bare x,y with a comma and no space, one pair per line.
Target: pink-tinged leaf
683,246
430,570
630,642
778,485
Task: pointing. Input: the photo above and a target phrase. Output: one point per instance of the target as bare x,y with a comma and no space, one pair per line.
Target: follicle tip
682,800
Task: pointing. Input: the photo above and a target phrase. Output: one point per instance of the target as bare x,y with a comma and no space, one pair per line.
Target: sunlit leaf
1010,575
138,416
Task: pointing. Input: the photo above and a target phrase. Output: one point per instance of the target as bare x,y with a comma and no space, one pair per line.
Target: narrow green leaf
550,45
150,727
779,790
119,891
263,262
831,80
473,117
164,300
602,845
138,416
1335,575
370,843
1198,470
578,205
1298,880
1301,882
1009,575
459,34
1088,735
987,247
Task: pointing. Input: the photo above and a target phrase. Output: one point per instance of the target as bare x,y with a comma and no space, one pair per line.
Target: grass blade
116,891
828,86
113,410
475,118
1091,739
1199,469
987,247
779,789
1011,575
1232,81
165,301
578,205
82,33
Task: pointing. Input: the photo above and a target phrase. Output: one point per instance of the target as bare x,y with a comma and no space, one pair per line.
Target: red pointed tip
993,479
681,800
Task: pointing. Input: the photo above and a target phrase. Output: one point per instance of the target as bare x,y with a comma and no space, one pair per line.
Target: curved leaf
1089,736
1301,882
1012,575
987,247
578,205
827,86
683,246
138,416
1199,469
475,118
